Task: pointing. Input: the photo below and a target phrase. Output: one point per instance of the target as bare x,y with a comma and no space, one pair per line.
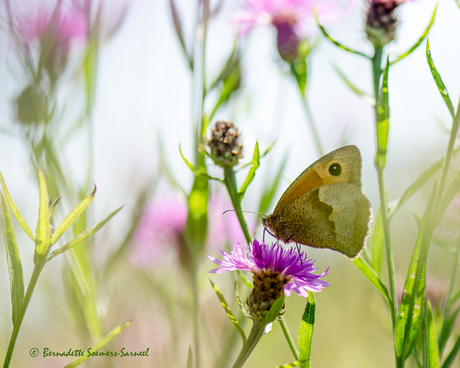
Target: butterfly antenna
255,212
298,251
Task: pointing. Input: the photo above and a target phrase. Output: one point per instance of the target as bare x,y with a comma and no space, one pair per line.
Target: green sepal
420,40
274,311
407,325
252,171
338,44
13,261
306,331
83,236
16,213
439,83
228,311
42,239
105,340
383,121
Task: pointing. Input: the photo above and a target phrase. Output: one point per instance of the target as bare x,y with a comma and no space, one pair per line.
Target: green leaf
53,205
453,353
378,240
99,345
334,41
359,92
408,322
252,171
430,344
420,40
83,236
372,277
42,240
17,214
14,262
419,182
293,364
228,311
165,166
199,173
238,299
449,195
190,357
439,83
231,64
72,216
447,328
274,311
383,121
306,331
457,2
243,278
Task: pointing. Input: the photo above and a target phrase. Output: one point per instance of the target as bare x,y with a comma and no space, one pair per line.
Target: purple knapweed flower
276,271
291,18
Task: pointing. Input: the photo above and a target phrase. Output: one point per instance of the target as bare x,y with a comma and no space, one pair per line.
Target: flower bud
287,41
31,106
225,144
382,22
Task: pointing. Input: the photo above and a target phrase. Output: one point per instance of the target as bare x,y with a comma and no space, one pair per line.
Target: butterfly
325,206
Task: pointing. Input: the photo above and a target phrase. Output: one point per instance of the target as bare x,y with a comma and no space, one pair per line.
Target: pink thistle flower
291,18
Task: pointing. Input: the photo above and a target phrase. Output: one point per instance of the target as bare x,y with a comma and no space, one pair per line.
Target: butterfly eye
335,169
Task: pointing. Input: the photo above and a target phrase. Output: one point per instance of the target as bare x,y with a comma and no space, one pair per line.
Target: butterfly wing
340,166
334,216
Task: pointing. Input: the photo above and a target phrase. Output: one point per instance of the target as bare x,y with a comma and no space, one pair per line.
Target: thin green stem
376,74
30,289
254,337
289,340
232,189
311,125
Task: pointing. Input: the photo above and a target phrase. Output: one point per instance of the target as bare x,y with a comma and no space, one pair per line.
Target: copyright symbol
34,352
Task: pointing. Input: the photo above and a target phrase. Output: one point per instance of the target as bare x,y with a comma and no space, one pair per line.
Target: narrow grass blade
446,329
408,322
42,239
99,345
17,214
199,173
238,299
420,40
231,63
452,355
190,357
439,83
180,34
419,182
228,311
378,240
449,195
359,92
165,167
372,277
261,156
431,359
252,171
274,311
83,236
383,121
14,262
270,190
334,41
72,216
306,331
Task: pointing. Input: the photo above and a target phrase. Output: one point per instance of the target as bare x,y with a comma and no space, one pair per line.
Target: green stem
289,340
376,74
230,183
254,337
311,125
30,289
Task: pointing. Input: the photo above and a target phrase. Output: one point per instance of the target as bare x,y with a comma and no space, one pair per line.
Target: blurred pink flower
62,24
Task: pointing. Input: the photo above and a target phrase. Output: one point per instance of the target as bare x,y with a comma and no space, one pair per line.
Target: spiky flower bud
225,144
382,21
